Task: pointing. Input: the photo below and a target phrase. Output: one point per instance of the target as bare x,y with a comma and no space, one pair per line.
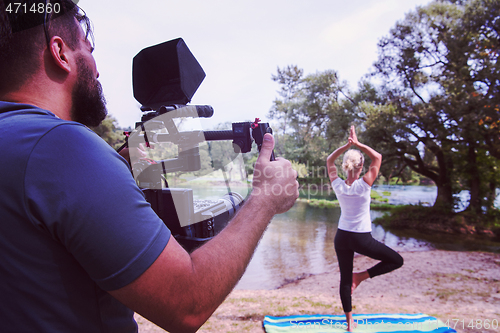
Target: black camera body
165,77
205,218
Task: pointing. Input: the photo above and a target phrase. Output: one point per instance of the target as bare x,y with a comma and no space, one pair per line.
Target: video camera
165,77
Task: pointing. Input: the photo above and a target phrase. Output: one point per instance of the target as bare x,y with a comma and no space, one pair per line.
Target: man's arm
179,292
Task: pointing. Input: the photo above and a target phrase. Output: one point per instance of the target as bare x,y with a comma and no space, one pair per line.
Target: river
300,242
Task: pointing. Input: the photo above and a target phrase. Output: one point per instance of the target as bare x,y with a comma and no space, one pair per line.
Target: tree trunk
474,181
441,177
492,195
444,199
243,175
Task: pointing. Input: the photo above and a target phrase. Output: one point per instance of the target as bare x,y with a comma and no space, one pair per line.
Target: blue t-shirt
73,224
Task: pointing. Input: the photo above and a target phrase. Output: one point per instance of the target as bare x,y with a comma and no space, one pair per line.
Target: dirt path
462,288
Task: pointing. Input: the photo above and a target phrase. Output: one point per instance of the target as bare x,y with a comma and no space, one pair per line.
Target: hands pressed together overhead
353,139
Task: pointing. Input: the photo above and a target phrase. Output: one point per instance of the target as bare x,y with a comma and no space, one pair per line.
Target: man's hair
24,34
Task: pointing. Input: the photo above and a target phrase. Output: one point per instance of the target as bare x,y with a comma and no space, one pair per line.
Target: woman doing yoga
354,230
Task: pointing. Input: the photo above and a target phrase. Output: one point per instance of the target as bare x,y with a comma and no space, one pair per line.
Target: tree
312,108
223,156
290,79
440,78
110,132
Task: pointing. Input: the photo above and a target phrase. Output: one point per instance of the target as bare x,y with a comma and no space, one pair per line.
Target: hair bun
353,159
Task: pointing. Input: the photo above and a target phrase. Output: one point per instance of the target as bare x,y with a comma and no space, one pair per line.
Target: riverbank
427,220
432,220
460,286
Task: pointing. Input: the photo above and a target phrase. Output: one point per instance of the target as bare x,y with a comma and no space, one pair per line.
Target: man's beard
89,104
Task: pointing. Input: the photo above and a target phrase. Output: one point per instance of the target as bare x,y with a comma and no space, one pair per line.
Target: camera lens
232,200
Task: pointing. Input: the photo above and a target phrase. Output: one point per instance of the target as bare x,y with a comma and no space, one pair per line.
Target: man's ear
60,53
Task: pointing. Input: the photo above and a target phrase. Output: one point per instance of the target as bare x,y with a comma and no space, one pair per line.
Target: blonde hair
353,159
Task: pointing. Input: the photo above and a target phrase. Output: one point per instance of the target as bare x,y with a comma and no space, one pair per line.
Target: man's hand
134,154
275,182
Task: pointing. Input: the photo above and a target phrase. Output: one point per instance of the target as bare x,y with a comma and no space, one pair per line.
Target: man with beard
81,249
89,104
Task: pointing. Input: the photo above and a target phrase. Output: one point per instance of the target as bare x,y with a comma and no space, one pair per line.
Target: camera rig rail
242,134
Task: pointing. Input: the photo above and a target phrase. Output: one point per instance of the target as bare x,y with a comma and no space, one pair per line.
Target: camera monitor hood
166,74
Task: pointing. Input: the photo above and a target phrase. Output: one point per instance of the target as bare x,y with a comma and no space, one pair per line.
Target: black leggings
346,243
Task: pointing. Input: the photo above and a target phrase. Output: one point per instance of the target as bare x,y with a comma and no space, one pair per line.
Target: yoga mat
381,323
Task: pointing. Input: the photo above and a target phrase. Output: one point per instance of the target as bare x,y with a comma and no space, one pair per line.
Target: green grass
319,304
378,197
323,203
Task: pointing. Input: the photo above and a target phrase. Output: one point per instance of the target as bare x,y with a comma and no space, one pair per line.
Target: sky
240,44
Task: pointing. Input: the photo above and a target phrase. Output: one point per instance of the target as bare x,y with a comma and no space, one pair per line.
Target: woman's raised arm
330,161
375,157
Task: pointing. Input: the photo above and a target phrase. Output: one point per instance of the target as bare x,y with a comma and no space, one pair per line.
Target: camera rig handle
258,132
242,134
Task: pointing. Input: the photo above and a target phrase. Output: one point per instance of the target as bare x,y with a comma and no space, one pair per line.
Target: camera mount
165,78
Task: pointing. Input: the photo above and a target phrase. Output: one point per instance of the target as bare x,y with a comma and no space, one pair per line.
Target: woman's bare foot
357,278
351,324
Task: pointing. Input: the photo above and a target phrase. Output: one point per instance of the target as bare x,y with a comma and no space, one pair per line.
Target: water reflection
408,194
300,242
423,195
398,242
